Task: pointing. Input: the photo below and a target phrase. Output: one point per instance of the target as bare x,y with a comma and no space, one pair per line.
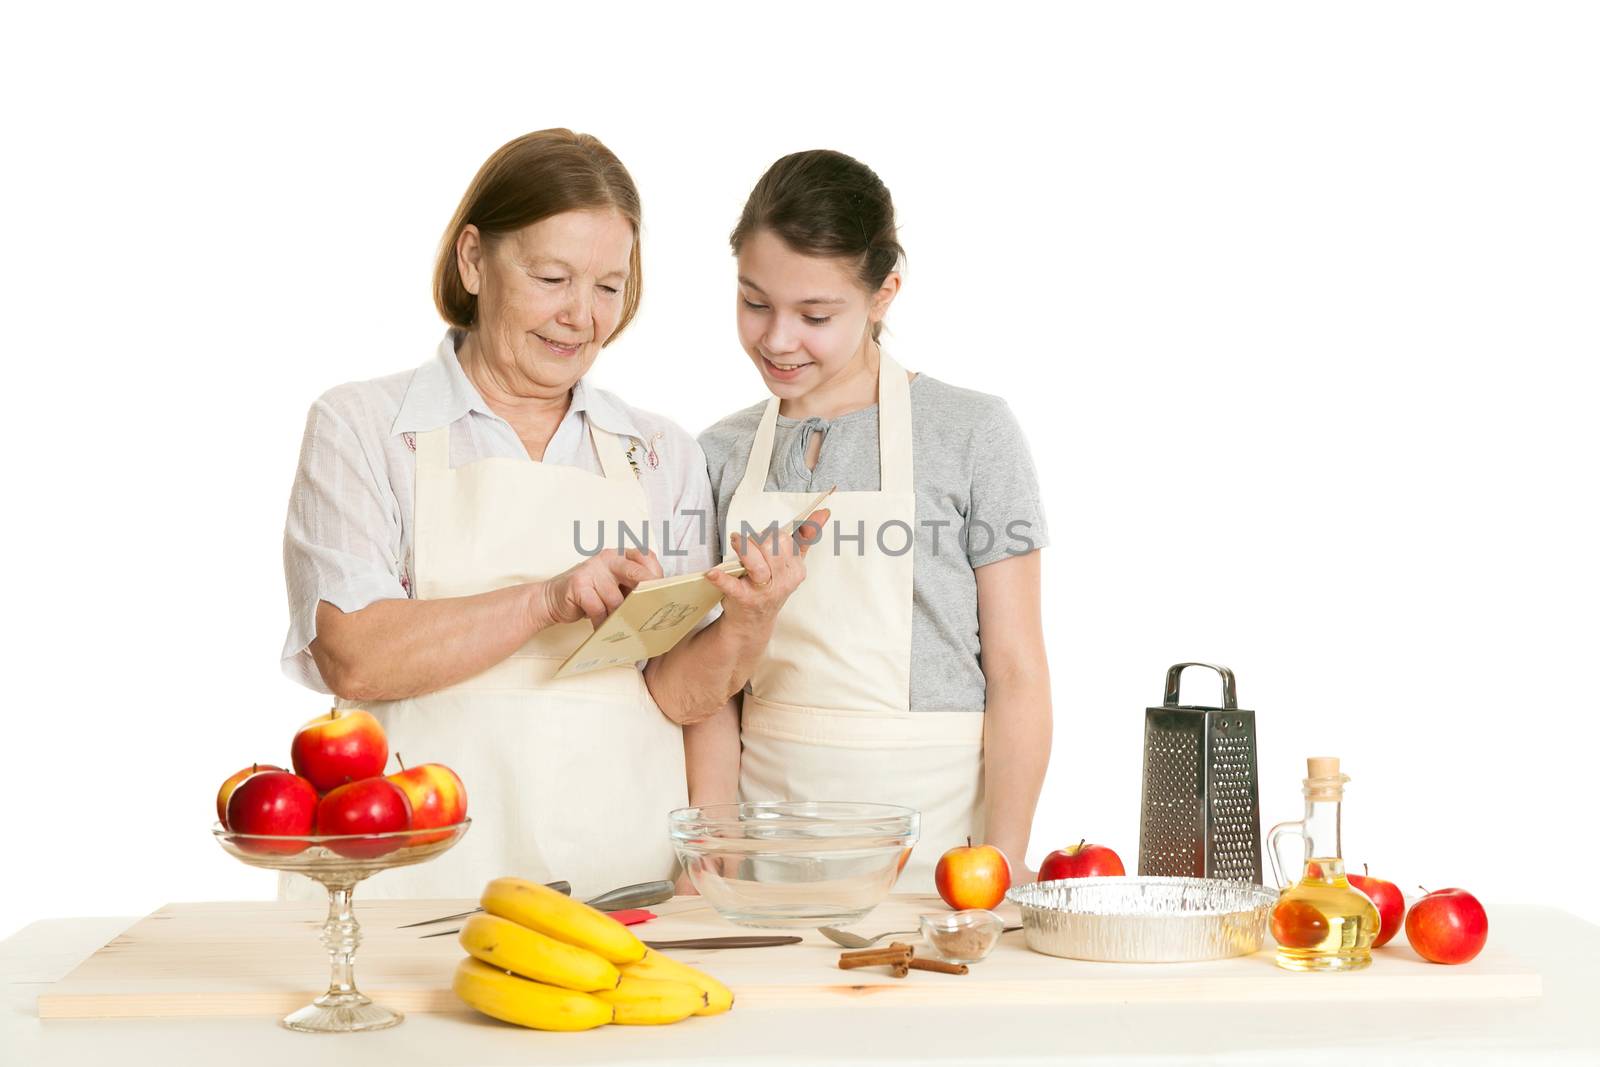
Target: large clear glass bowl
337,862
794,863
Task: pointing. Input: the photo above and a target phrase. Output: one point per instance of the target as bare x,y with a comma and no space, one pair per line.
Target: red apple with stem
1447,926
273,803
232,782
972,876
436,794
370,806
345,745
1081,861
1388,899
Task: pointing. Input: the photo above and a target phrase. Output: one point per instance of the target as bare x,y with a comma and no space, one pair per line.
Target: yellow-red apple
972,876
232,782
276,804
370,806
345,745
437,797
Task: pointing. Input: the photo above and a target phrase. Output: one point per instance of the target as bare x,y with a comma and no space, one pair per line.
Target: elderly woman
432,554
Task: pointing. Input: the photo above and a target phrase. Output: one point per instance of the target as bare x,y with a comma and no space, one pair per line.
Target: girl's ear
884,297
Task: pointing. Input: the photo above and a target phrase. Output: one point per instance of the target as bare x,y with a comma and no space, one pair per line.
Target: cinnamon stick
917,963
903,969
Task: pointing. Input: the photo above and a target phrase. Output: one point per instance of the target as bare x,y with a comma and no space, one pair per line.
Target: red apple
1297,924
972,876
1391,904
345,745
232,783
276,803
1447,926
1081,861
437,797
370,806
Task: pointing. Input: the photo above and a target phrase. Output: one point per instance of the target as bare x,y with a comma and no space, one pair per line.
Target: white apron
828,713
566,779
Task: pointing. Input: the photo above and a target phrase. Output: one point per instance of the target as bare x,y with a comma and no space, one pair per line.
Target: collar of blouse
440,393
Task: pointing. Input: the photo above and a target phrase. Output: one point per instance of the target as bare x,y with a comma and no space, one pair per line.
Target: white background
1297,306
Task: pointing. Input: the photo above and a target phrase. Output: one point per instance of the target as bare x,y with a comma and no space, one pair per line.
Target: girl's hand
594,588
774,568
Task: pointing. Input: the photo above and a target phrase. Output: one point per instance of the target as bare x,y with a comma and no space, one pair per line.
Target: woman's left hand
774,568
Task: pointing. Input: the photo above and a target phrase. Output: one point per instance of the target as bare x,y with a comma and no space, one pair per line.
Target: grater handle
1285,829
1230,695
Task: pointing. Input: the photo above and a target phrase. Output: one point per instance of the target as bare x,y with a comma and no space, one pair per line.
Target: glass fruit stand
338,863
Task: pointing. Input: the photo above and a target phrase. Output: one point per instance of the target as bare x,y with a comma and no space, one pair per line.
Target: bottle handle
1282,830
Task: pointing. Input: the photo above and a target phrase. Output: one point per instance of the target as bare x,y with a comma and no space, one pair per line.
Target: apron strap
755,471
433,451
894,434
894,426
613,457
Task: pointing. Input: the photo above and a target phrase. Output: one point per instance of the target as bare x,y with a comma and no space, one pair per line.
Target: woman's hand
774,568
594,588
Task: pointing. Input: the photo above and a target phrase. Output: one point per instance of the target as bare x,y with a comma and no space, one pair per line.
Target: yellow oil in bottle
1323,923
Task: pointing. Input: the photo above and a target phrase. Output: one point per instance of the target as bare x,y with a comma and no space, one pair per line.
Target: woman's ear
469,258
884,297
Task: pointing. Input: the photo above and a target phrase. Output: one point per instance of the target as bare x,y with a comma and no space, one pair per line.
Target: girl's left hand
774,568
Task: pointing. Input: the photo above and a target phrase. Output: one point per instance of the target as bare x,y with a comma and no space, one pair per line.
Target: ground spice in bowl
963,936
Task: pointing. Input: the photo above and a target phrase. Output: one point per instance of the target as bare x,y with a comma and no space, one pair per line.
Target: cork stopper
1323,780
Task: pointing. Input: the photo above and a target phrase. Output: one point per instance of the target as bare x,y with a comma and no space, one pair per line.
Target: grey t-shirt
972,472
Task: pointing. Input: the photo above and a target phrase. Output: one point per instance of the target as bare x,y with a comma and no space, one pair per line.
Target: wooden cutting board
265,958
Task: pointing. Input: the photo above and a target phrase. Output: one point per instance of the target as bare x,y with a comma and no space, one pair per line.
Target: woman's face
803,320
549,295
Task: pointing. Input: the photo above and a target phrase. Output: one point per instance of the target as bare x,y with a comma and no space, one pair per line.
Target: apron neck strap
613,457
433,450
894,434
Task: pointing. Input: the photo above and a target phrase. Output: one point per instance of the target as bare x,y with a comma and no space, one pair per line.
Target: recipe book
657,615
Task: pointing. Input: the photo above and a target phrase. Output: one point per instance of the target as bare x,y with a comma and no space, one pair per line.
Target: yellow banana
650,1001
526,1003
719,998
541,908
511,947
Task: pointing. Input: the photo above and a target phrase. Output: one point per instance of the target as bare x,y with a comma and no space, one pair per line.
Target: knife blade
564,888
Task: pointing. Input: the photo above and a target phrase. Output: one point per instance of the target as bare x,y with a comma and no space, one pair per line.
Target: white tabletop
1563,1026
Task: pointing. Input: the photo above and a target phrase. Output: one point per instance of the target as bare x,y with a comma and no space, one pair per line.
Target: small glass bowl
963,936
794,863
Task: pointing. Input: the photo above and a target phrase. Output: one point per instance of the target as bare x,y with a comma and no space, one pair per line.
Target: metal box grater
1200,813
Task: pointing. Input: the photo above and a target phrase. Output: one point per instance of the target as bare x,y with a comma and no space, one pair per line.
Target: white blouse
348,536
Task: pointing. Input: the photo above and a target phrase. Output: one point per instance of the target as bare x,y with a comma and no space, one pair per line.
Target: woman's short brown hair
529,179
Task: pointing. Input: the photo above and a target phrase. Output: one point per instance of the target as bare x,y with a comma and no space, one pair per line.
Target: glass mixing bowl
794,863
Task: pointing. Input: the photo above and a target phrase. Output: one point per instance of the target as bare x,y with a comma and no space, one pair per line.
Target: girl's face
805,321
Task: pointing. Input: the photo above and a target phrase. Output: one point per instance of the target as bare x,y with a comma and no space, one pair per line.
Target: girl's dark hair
824,203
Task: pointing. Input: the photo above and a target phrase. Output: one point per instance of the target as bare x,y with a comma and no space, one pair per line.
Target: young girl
909,665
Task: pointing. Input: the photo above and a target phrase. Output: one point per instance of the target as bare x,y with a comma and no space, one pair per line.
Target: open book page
657,615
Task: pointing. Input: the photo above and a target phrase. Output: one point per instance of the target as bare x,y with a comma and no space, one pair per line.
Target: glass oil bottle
1322,922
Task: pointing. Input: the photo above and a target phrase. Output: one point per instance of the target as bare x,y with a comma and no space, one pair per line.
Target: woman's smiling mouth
558,348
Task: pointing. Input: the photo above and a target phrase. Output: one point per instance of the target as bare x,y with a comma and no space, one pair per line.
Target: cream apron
827,715
566,779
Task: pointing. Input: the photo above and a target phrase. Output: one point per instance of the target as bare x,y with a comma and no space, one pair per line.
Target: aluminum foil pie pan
1144,920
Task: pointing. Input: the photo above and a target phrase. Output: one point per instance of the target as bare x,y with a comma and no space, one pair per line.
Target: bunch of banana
539,958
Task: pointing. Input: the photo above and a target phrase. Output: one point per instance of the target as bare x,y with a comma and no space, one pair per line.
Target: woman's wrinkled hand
774,567
594,588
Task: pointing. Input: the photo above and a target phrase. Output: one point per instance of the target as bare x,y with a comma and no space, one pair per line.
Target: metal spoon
849,940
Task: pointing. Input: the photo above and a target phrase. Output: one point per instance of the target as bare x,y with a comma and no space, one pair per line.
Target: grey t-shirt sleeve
1005,490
